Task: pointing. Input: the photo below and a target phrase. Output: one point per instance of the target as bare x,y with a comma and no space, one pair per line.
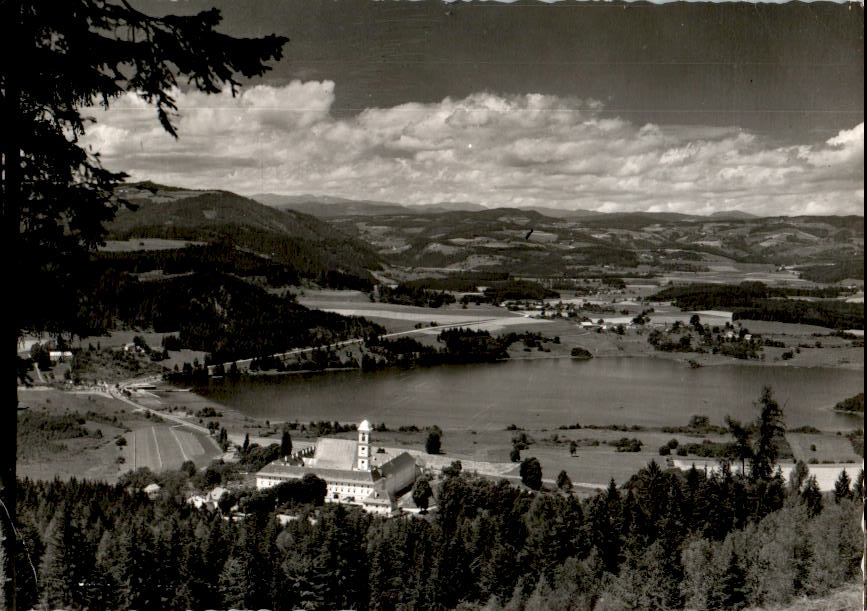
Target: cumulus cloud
495,150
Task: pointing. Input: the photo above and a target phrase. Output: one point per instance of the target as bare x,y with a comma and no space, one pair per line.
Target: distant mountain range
327,206
315,234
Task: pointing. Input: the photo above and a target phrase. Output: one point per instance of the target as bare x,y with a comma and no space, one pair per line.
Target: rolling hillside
309,245
502,238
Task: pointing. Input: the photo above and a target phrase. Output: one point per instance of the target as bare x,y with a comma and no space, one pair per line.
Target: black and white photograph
477,305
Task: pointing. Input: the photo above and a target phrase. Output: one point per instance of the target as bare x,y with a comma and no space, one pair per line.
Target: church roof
397,464
364,426
334,453
278,469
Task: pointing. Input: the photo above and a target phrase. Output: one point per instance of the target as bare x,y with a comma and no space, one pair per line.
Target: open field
144,244
593,466
94,456
97,455
162,448
836,448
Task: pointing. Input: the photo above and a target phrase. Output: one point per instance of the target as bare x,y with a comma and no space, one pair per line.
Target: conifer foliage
56,196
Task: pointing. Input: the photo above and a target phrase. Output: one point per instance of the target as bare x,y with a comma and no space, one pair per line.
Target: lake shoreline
533,391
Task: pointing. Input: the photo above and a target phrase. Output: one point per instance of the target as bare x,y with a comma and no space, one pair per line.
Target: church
353,471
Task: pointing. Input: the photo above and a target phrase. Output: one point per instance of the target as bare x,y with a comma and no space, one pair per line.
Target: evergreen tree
858,486
135,568
286,444
728,593
842,487
64,563
233,583
56,197
531,473
600,527
812,496
771,428
743,449
797,477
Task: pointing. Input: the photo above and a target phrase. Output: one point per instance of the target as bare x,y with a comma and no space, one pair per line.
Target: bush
515,454
625,444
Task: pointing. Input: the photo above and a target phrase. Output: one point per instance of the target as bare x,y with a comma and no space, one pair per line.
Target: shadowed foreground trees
55,194
665,540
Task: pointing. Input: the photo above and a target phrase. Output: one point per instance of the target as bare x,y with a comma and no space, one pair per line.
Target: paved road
116,392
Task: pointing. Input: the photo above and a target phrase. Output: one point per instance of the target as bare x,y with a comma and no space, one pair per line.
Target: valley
275,315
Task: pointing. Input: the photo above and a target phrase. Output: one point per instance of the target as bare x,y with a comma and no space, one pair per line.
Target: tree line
664,540
757,301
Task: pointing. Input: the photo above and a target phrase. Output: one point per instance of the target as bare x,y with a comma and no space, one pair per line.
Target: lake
546,393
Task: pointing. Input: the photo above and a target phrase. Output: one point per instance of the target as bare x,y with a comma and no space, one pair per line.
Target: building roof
278,469
397,464
364,426
378,498
334,453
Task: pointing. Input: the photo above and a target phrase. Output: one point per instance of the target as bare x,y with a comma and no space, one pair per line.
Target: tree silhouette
771,428
56,196
433,443
812,496
743,445
421,493
286,444
563,482
531,473
842,487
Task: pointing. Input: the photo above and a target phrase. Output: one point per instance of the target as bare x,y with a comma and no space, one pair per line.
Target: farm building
57,356
353,471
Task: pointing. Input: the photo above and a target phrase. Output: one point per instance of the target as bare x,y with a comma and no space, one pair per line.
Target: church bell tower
363,457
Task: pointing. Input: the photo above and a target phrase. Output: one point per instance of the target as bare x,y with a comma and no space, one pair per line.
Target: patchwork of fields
161,448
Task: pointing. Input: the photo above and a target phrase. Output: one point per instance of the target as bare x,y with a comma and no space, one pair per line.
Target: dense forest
757,301
852,404
852,267
457,346
218,313
407,294
665,539
311,246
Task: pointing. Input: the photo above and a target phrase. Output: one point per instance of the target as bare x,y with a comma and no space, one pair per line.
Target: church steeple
363,456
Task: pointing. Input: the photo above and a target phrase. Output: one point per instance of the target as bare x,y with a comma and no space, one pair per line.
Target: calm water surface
547,393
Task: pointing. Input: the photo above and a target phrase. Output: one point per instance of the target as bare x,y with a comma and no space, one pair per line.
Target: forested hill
309,245
218,313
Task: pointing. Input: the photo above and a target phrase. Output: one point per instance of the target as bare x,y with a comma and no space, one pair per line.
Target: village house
209,500
353,471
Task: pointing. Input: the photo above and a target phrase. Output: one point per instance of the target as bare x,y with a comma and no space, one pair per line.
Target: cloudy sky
693,109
